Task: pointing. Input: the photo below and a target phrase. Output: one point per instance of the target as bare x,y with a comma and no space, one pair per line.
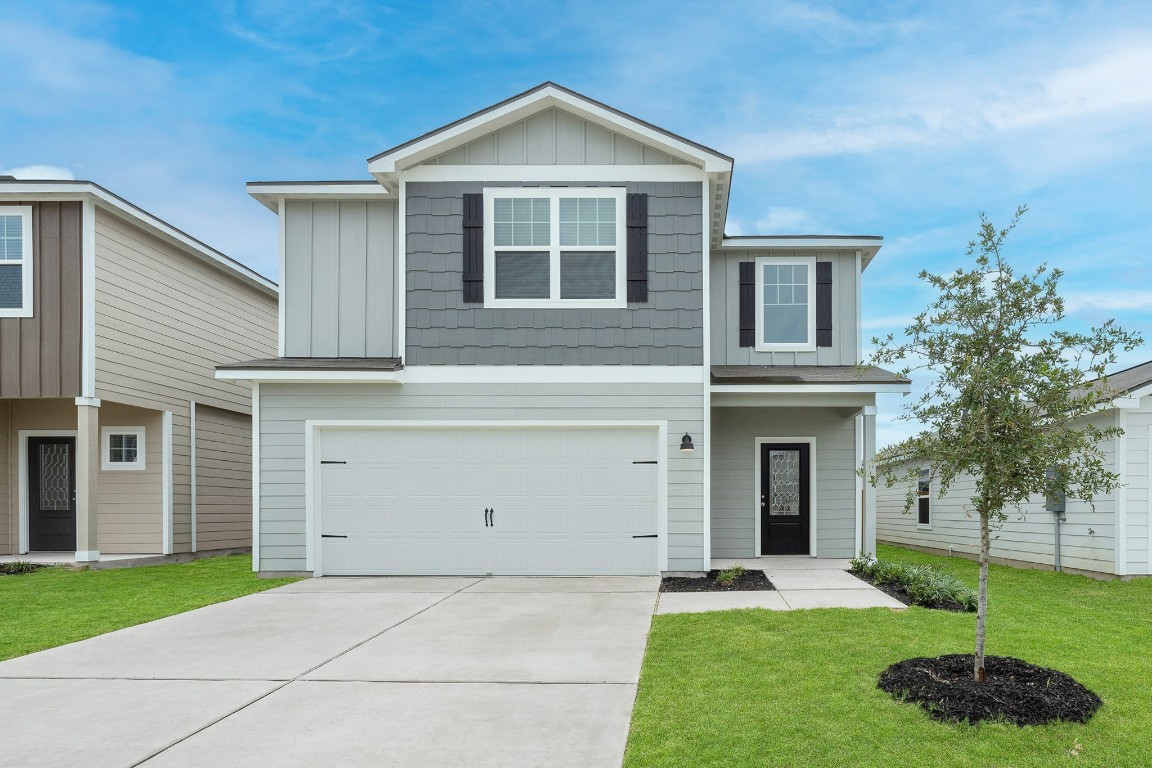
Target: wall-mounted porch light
686,444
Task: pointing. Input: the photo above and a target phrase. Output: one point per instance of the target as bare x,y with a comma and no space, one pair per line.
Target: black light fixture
686,444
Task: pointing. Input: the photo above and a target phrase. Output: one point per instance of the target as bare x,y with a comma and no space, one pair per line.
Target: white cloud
1112,300
39,172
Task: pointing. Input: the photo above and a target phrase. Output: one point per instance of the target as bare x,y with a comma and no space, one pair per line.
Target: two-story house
525,346
115,435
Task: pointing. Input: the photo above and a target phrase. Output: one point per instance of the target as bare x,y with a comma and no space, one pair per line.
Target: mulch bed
1014,691
19,569
749,581
901,594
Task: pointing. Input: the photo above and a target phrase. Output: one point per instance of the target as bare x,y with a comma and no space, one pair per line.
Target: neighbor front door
52,494
784,509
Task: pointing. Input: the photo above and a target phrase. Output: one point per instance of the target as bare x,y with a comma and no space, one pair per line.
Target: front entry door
784,509
52,494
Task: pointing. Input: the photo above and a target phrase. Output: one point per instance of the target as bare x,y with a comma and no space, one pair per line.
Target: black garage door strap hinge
333,536
647,536
333,462
645,462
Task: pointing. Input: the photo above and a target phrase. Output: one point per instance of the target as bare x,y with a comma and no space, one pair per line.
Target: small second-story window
786,306
924,498
15,261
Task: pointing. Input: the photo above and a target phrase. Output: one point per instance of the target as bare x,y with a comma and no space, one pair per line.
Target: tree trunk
982,604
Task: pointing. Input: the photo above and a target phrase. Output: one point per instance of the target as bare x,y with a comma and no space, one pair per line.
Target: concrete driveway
352,672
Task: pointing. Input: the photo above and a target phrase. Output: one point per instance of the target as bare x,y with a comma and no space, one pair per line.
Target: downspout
1057,518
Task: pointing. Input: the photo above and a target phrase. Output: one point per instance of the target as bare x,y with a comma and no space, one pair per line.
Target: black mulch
749,581
1013,691
901,594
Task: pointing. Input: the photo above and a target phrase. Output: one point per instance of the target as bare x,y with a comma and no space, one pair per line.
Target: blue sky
903,119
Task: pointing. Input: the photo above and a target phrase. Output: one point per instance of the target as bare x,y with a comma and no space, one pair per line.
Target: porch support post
868,542
87,477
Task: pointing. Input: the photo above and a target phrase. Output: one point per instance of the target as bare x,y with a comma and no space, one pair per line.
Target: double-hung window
15,261
554,247
785,304
924,498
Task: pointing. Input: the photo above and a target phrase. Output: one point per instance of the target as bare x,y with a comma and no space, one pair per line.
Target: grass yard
761,688
54,606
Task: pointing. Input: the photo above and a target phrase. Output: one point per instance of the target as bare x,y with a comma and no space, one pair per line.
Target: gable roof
544,96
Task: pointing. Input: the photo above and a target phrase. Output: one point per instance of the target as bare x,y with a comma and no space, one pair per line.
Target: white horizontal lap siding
1028,535
735,464
285,407
1138,436
8,503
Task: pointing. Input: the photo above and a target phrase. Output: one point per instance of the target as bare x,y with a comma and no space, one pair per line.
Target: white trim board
22,436
312,427
256,427
813,509
567,173
486,374
192,466
166,480
273,194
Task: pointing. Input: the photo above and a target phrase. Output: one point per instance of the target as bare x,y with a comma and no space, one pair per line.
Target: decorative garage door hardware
333,462
489,517
333,536
647,536
645,462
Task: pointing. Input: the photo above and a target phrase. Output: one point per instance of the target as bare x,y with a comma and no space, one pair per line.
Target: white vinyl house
1110,536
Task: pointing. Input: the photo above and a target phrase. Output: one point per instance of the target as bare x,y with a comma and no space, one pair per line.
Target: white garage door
547,501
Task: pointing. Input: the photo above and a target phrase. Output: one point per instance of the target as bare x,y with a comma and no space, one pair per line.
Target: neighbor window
923,498
786,304
553,247
15,261
123,447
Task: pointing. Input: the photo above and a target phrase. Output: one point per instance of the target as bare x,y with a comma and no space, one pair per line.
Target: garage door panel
565,501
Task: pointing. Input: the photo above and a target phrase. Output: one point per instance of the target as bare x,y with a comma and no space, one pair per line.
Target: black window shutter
823,303
637,221
473,248
747,303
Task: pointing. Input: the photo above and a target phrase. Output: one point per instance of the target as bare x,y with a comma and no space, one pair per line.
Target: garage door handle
492,516
647,536
332,536
333,462
486,517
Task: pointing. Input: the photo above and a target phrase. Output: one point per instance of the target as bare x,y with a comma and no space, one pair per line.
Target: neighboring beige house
1111,536
115,437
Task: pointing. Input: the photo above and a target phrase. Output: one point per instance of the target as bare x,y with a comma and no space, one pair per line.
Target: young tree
1007,391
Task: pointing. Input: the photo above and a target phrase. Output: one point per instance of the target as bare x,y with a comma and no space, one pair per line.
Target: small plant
730,575
862,563
923,584
18,567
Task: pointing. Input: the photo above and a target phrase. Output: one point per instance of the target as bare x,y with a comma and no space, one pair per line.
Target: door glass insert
55,495
784,482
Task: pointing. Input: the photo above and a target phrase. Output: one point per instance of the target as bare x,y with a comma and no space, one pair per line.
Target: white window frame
924,475
106,462
810,262
553,194
25,212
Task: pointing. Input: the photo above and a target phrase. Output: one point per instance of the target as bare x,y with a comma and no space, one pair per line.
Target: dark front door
52,494
784,499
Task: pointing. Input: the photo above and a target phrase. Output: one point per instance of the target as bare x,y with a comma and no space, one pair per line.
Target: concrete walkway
352,672
800,581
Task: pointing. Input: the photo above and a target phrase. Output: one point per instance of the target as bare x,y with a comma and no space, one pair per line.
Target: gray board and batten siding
339,278
442,329
725,310
40,355
554,137
735,462
284,408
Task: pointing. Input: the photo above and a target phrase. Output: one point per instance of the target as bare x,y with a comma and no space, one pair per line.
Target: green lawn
55,606
758,688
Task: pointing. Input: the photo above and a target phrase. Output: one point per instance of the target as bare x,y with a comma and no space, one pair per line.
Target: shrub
923,584
730,575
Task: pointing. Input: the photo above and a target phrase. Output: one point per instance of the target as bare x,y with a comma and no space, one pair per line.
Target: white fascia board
823,389
530,104
575,173
270,194
480,374
821,243
87,190
309,377
855,402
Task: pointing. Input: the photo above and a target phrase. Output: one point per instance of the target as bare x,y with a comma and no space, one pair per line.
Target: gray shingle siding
443,330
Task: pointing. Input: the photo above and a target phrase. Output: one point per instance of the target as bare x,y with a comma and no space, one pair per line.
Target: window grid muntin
614,194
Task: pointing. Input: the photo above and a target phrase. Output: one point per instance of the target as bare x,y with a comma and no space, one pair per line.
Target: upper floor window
15,261
554,247
786,304
924,498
